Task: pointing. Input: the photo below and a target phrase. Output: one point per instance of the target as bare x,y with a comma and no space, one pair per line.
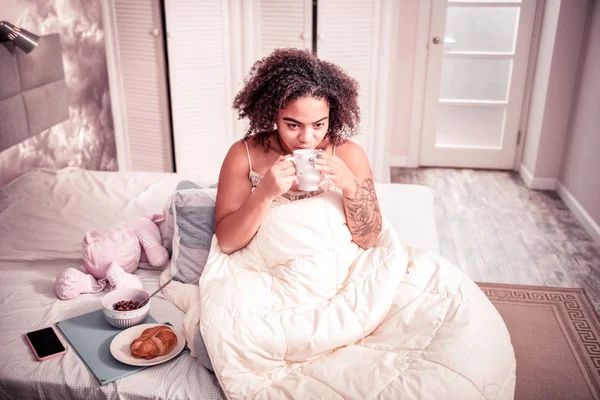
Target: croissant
153,342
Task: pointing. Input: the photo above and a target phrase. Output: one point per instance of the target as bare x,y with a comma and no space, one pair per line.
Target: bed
43,216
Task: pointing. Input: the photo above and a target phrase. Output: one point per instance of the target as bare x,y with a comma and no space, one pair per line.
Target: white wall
405,59
10,10
556,70
567,54
580,172
540,84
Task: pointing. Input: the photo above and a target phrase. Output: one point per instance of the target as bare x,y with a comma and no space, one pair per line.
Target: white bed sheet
43,216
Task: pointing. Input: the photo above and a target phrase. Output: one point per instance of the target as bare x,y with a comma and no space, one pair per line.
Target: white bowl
125,319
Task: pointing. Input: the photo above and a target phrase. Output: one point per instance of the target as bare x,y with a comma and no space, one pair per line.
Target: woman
312,104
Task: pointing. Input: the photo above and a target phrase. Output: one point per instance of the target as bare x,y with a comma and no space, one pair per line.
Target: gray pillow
194,217
184,185
167,226
200,348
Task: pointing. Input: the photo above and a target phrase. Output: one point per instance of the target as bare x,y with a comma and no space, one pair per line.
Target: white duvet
303,312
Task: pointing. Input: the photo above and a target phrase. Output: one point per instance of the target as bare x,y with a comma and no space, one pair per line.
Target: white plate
119,347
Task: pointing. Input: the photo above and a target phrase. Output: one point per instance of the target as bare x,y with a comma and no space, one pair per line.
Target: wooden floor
497,230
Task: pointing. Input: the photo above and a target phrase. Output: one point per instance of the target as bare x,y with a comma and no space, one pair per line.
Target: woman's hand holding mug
307,168
279,178
336,170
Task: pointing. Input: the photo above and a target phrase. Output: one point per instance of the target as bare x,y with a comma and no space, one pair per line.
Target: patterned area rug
556,336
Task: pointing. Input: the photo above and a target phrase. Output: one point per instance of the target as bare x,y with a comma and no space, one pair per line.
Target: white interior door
348,36
137,68
212,45
200,82
476,68
285,23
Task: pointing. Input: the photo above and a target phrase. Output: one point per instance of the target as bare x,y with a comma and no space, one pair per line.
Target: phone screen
45,342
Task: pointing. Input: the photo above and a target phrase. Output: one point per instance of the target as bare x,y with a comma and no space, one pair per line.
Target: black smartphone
45,343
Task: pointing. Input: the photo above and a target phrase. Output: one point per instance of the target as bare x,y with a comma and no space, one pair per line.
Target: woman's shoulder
349,149
237,156
355,157
248,151
238,148
243,146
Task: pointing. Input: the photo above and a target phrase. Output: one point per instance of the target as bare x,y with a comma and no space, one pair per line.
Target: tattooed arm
350,171
362,213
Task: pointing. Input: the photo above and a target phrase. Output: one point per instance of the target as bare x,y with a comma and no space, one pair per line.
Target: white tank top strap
334,149
248,152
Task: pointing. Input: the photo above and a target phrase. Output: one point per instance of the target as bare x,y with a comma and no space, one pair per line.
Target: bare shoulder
350,149
355,157
237,157
238,148
235,167
233,186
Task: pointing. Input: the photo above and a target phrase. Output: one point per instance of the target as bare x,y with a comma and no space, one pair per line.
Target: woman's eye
319,125
292,126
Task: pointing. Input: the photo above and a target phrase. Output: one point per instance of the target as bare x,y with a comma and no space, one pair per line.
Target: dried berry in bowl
125,305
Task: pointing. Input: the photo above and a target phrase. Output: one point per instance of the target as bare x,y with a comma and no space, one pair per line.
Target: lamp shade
23,39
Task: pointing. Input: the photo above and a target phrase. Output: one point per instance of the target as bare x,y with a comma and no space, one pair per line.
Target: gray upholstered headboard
33,93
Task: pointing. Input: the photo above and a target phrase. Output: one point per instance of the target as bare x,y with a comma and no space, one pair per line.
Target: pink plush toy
112,257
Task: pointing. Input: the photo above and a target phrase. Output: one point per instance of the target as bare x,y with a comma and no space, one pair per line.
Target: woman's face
303,123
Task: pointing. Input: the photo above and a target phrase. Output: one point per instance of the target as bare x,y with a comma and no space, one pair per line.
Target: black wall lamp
23,39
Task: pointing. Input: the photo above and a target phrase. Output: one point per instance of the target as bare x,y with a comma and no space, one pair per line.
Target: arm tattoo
364,218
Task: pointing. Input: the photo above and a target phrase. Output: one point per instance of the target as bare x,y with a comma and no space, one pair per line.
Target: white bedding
43,216
303,312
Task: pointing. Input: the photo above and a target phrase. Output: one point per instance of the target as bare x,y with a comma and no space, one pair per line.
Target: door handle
438,40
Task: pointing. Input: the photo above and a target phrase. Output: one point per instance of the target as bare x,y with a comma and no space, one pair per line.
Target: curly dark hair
288,74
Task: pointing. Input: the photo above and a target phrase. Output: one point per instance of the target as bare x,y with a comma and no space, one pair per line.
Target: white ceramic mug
307,177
